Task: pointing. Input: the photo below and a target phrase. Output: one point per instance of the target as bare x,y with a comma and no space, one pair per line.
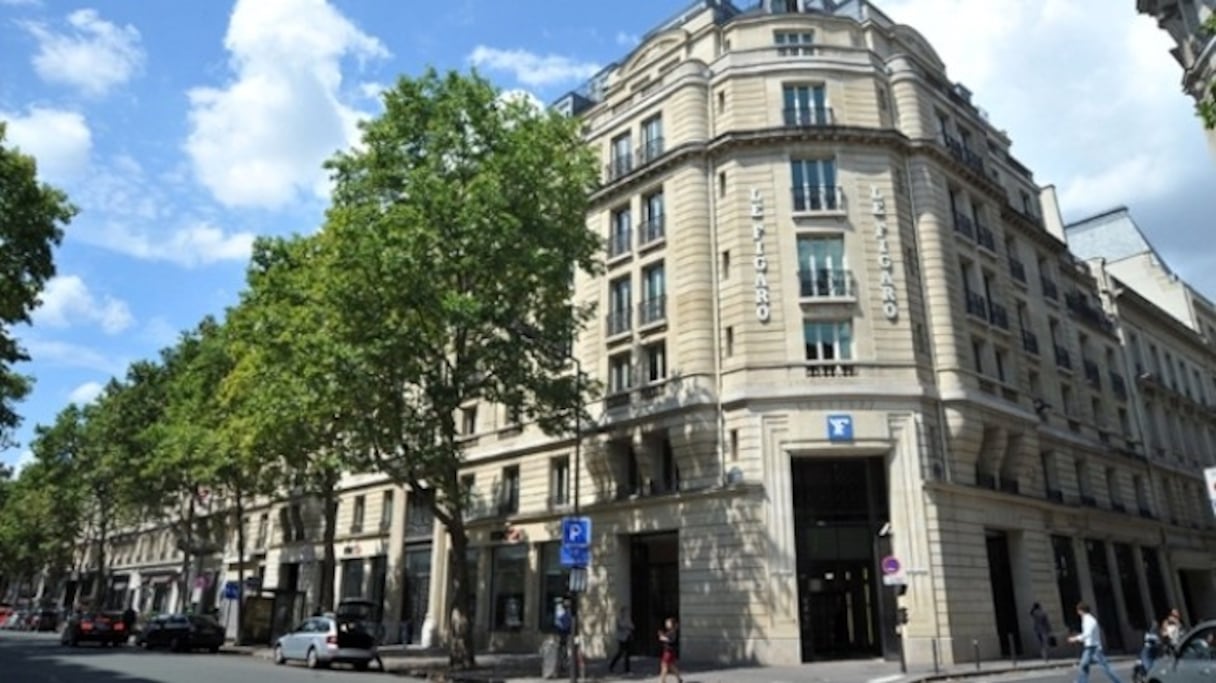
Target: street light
531,334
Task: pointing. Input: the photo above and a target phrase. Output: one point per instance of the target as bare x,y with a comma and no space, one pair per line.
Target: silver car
321,641
1195,661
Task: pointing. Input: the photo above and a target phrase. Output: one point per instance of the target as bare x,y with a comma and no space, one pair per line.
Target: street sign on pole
232,590
576,532
578,580
574,556
890,565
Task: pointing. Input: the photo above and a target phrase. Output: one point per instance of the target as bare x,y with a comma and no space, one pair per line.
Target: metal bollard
975,645
1013,651
936,665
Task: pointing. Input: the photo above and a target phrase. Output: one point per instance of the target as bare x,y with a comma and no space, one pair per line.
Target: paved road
1122,669
38,658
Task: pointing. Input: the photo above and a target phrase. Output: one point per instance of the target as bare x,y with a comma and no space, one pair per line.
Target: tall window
652,208
352,578
509,500
792,43
468,420
621,156
656,361
822,269
814,184
386,510
554,580
559,480
509,570
654,289
620,239
619,302
356,520
652,139
805,105
620,373
263,525
828,340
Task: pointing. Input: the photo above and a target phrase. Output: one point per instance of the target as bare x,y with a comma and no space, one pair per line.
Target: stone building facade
1196,46
845,348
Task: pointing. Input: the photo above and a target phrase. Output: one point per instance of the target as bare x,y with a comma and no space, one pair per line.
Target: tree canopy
32,218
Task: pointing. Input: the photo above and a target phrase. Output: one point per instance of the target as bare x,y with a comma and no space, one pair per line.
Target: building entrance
839,506
1004,602
655,582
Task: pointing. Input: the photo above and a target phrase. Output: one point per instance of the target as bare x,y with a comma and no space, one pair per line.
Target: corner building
838,323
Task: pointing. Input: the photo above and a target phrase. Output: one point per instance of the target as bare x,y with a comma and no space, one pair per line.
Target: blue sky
183,129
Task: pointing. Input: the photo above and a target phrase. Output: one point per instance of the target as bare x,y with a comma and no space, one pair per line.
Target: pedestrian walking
624,639
1090,639
563,621
669,661
1172,629
1042,629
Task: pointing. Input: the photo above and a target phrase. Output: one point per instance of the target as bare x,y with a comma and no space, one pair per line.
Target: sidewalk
431,665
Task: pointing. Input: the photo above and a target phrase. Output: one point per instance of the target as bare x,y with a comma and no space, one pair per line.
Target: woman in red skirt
669,661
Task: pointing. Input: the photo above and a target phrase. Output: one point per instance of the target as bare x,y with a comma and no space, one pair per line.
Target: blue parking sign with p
576,532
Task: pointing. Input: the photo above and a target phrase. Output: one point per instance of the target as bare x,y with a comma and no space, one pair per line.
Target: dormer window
793,43
783,6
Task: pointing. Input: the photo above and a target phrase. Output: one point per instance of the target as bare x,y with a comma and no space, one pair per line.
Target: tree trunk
99,589
240,564
329,499
460,624
183,582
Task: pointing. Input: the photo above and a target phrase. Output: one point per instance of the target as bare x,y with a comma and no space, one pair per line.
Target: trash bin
550,659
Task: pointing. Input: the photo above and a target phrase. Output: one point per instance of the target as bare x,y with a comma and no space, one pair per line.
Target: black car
104,628
182,632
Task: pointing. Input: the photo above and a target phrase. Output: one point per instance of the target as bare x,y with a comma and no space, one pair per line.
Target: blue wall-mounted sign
840,427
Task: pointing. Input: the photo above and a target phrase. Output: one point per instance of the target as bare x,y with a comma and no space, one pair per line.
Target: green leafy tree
284,380
32,217
1206,106
39,522
448,261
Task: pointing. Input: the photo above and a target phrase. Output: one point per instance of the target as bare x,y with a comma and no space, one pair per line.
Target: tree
457,225
284,381
39,521
32,217
1206,106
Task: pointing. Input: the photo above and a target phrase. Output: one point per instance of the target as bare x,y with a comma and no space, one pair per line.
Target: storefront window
509,575
555,579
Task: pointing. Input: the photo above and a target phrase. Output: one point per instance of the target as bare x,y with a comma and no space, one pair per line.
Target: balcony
1092,374
984,237
963,154
619,322
997,315
1063,360
652,310
1088,313
650,150
1017,270
1030,342
808,117
826,284
1050,291
1055,495
818,199
1118,385
977,305
830,368
620,243
964,225
1088,501
621,165
650,231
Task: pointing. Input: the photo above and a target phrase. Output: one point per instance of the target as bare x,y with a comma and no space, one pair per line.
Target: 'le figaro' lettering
764,310
886,266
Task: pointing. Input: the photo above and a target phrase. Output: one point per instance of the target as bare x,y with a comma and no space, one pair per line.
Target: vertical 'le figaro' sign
886,267
764,310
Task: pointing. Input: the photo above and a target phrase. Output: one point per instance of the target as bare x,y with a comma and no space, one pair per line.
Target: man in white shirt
1090,638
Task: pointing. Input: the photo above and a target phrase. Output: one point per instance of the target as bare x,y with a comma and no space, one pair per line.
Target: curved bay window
509,571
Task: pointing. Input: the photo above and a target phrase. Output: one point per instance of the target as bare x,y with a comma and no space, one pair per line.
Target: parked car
104,628
44,620
182,633
322,641
1194,658
363,611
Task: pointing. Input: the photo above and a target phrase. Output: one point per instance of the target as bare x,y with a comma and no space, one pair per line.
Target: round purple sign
890,565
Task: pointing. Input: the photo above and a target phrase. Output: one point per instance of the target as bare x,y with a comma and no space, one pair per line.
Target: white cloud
260,140
196,244
94,56
1087,90
52,353
531,69
372,90
24,460
629,40
60,141
67,300
85,393
521,95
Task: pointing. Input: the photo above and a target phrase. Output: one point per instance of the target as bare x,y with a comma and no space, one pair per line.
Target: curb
1038,666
